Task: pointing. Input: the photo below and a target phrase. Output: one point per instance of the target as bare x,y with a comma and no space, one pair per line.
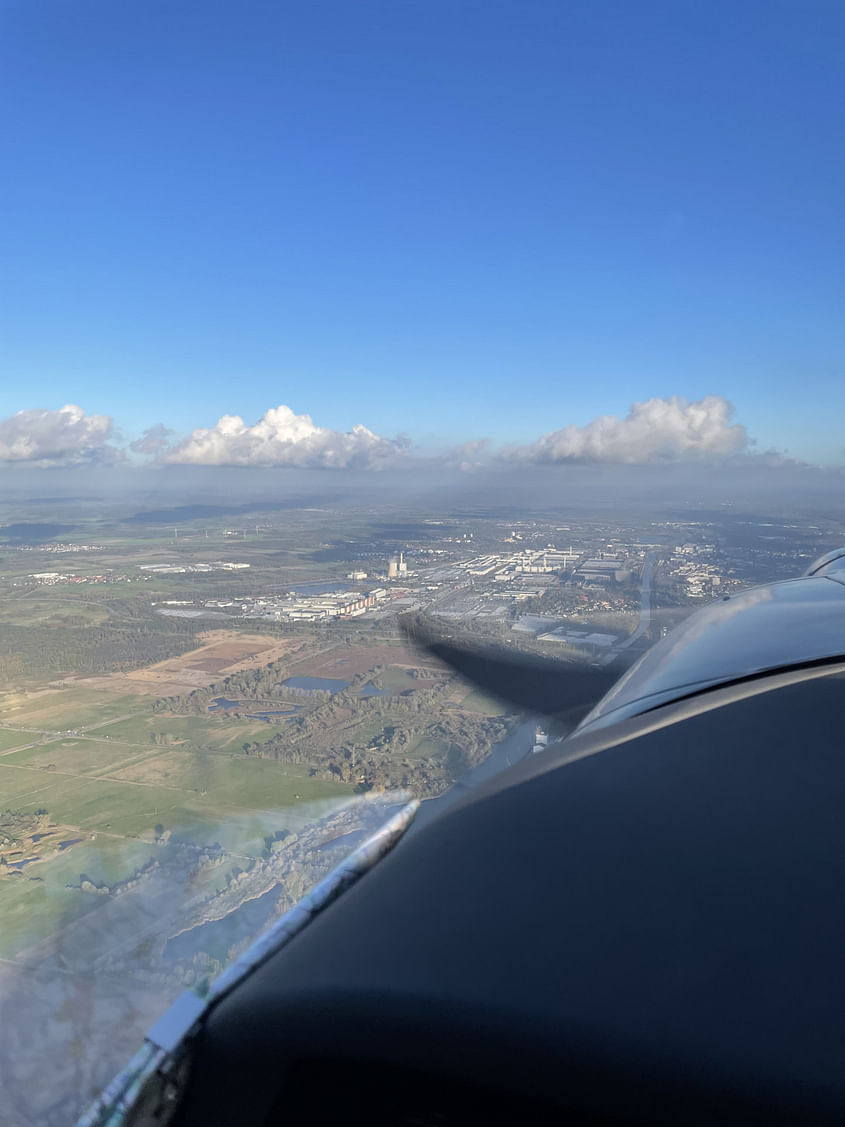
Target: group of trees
17,830
371,743
163,739
114,646
367,742
263,684
250,684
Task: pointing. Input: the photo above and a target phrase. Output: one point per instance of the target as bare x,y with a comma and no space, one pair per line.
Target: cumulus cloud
48,438
281,438
658,430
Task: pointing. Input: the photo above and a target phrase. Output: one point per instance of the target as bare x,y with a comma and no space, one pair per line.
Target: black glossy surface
652,932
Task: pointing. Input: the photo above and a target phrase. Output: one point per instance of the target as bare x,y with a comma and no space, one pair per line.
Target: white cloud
48,438
657,430
281,438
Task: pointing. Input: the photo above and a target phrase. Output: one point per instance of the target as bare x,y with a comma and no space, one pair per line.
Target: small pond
316,684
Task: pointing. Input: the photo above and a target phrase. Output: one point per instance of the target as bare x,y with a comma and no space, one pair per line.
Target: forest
116,646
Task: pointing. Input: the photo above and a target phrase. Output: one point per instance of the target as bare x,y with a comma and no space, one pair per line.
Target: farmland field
219,732
120,762
105,765
65,709
171,790
73,756
226,782
32,610
12,738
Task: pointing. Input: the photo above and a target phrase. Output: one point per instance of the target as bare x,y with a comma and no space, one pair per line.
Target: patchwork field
127,787
101,761
89,756
222,652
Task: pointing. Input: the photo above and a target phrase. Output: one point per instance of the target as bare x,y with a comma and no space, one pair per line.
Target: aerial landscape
200,715
331,333
184,690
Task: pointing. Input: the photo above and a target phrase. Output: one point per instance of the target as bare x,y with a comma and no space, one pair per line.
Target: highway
644,624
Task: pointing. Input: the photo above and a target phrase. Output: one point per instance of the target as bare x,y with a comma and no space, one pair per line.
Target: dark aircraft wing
645,924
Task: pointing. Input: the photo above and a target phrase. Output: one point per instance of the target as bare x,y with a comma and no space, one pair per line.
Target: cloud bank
281,438
50,438
654,432
658,430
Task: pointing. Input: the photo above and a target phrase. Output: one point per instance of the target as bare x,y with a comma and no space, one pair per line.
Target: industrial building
313,608
397,566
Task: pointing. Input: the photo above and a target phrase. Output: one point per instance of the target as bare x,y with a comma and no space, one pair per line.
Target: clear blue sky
449,218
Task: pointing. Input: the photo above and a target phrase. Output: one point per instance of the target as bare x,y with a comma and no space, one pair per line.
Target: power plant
397,566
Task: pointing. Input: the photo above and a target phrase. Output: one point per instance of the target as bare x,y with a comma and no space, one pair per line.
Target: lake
316,684
330,685
223,704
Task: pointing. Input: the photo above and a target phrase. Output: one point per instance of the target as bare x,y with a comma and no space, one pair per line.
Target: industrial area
589,599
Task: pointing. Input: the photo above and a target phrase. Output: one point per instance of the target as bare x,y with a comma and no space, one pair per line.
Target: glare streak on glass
119,1097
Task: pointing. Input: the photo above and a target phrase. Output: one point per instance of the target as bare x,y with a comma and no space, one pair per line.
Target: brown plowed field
222,652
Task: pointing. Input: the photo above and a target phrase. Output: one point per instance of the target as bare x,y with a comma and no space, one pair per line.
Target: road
80,732
644,624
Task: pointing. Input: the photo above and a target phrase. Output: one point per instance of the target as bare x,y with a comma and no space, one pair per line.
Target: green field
34,904
121,781
100,786
66,709
365,731
41,609
31,909
252,784
75,757
395,680
426,749
21,789
85,801
10,738
218,733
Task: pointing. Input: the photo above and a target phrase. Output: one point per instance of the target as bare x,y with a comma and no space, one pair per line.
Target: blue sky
450,219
